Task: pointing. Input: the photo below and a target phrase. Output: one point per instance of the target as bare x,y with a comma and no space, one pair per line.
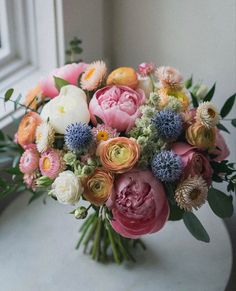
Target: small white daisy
207,115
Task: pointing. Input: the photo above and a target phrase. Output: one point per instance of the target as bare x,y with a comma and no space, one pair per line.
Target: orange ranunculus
119,154
98,187
181,95
27,128
34,97
200,136
124,76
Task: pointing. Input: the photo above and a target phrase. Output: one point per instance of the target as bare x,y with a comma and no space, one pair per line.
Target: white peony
70,106
67,188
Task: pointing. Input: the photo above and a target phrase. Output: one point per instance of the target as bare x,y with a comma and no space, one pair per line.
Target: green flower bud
92,162
87,170
44,181
81,212
202,92
69,158
142,140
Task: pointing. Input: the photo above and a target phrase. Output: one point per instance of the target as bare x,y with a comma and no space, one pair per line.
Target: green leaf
2,136
222,127
227,106
233,122
5,159
8,94
13,171
210,93
194,100
99,120
188,83
220,203
175,212
59,82
35,196
195,227
3,183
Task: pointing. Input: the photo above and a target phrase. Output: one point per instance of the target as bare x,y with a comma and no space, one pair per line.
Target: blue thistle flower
168,123
167,166
78,136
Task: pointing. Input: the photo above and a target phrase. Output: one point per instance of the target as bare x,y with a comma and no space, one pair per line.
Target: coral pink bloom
29,161
138,203
70,73
194,162
221,151
118,106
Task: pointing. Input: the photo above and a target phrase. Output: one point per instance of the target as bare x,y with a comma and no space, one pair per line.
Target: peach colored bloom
124,76
27,128
169,77
34,97
70,73
98,187
200,136
119,154
93,76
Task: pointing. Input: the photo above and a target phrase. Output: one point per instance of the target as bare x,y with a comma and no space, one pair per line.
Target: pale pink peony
138,203
117,106
221,151
194,162
70,73
145,69
29,161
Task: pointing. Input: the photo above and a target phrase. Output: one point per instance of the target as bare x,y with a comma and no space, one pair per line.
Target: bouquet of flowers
128,150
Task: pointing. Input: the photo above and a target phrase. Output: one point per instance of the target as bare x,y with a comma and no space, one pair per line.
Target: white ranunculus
70,106
145,83
67,188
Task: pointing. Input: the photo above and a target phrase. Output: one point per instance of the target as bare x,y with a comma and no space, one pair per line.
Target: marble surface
37,254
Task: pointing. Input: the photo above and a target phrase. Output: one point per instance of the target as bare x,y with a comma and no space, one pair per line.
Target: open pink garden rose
194,161
70,73
117,106
139,204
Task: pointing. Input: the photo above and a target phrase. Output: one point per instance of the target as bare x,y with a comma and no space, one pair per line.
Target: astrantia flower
207,115
169,77
78,136
45,135
103,132
51,163
191,193
93,75
145,69
29,161
168,123
167,166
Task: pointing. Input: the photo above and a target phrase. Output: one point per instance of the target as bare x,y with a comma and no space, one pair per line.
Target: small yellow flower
102,136
180,94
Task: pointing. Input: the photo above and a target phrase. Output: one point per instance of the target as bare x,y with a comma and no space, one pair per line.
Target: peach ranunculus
70,73
221,151
34,97
138,203
181,95
98,187
194,162
119,154
200,136
27,128
124,76
117,106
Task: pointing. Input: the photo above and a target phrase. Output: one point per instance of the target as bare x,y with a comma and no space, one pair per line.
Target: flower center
46,164
211,113
102,135
61,109
194,194
89,74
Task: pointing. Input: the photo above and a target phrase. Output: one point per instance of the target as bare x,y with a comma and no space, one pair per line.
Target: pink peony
70,73
138,203
221,151
118,106
194,162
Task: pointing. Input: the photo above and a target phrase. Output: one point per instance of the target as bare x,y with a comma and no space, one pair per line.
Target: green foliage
175,212
99,120
233,122
210,94
74,50
59,82
188,83
220,126
195,227
220,203
225,110
194,100
8,94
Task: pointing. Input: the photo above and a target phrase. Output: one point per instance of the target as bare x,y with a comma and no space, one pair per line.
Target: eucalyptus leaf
175,212
210,93
2,136
233,122
194,100
188,83
225,110
222,127
8,94
99,120
195,227
59,82
220,203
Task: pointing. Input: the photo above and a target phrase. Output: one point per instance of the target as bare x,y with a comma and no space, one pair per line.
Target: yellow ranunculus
180,94
200,136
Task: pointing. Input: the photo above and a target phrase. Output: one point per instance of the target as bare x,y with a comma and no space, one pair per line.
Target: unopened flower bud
81,212
87,170
202,92
44,181
70,158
